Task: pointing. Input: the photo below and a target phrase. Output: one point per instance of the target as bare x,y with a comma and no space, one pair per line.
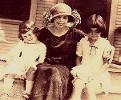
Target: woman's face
93,34
29,37
60,21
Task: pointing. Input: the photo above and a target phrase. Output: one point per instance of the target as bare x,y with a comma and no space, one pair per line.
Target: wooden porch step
16,91
110,96
115,91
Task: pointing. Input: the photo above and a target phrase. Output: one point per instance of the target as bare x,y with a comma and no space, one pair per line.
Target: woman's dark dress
51,79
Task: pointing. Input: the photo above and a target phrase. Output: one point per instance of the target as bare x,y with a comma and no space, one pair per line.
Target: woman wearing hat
61,41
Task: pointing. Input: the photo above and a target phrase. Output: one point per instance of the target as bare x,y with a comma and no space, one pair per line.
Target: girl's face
60,21
94,34
29,37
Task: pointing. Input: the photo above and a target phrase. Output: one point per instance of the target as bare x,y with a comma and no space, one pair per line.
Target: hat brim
70,17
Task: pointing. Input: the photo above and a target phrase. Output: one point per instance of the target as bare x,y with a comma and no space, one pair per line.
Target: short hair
26,26
96,21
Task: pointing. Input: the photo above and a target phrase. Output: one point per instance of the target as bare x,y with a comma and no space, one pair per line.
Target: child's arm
74,69
78,59
107,60
79,52
42,54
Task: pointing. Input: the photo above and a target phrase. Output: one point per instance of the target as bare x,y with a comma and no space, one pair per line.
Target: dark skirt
50,82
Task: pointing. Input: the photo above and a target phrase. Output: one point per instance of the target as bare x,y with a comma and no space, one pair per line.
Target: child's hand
74,80
73,73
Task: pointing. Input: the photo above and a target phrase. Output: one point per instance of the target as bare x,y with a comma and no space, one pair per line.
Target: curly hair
26,26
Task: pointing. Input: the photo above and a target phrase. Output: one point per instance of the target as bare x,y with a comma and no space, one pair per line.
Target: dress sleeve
108,52
43,51
79,51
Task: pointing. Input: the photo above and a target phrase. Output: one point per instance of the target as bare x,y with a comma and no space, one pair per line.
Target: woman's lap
50,82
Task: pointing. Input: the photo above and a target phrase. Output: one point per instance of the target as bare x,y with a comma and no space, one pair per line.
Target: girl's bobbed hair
96,21
26,26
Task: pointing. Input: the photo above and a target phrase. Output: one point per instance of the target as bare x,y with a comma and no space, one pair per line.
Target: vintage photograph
60,49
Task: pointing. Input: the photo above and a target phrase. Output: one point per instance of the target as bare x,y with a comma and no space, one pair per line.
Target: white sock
29,85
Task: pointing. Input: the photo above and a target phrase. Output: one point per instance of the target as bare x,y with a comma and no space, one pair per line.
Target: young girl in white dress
95,53
24,57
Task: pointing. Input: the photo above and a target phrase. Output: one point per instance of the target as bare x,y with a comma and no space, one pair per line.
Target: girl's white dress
23,56
92,60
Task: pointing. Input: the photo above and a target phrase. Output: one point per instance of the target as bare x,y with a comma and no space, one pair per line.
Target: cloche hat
58,10
61,9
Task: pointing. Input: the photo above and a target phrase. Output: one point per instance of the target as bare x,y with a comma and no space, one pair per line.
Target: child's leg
106,83
78,86
29,80
8,83
91,95
105,88
29,85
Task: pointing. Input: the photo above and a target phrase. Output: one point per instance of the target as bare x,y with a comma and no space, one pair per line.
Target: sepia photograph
60,49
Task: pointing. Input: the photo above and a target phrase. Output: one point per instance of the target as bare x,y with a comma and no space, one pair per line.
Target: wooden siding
118,15
42,6
117,45
9,32
117,38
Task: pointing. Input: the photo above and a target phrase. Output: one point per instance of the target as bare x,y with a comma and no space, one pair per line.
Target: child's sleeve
108,52
15,51
79,51
43,50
